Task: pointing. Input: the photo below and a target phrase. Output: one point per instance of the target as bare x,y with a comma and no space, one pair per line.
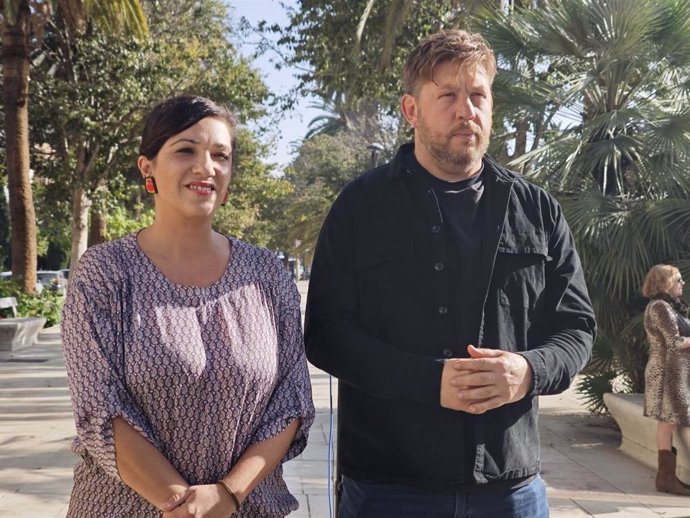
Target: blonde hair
455,46
659,280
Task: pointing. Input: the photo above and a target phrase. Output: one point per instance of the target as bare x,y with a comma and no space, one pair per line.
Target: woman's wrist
235,501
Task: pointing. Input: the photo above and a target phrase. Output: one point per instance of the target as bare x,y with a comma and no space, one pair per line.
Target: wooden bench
639,433
17,332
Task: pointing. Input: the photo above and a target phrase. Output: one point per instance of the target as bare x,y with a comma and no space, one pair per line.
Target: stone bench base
639,433
18,333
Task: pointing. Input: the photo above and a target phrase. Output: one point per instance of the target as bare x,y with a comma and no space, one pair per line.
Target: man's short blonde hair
659,280
453,46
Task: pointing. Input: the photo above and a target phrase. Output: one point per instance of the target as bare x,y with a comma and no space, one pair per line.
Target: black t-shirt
463,215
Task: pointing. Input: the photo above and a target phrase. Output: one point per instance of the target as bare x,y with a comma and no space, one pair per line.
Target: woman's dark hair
175,115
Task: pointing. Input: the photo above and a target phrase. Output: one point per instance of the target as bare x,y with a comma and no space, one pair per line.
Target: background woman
184,347
667,376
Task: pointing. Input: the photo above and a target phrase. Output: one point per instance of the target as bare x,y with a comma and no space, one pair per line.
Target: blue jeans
372,500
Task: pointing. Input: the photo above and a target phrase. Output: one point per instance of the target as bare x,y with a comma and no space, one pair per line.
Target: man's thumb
476,352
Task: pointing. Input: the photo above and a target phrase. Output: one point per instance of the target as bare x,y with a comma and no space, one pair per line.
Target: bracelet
230,492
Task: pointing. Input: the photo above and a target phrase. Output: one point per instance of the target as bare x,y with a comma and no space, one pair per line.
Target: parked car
53,280
5,276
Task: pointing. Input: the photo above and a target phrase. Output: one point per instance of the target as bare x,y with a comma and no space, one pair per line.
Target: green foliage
53,213
593,385
324,164
23,28
355,50
117,16
254,191
47,304
90,94
603,87
124,220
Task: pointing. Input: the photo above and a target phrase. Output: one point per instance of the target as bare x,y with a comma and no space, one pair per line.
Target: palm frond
592,387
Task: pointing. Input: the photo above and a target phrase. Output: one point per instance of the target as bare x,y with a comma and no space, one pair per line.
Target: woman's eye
185,150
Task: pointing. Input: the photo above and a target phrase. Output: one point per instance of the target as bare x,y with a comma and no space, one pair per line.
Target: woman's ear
144,165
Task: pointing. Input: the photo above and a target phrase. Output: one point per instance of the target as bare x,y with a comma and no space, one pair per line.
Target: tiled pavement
585,474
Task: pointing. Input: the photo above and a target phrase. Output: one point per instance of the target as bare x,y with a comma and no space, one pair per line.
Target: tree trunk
521,130
80,224
98,226
15,68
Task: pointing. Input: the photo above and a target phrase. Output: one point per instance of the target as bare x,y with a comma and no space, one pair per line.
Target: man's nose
465,109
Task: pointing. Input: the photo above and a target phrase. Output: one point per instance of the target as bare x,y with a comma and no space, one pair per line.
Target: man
446,295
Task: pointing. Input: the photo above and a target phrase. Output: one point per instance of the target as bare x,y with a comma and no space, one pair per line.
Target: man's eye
222,157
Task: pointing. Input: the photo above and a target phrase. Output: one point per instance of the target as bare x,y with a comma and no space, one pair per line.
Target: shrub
47,304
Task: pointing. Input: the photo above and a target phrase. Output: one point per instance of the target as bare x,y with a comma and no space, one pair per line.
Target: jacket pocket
520,271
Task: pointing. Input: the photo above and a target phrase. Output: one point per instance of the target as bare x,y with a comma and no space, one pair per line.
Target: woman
184,348
667,376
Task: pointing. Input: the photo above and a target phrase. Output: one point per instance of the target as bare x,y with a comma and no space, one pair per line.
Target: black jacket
380,316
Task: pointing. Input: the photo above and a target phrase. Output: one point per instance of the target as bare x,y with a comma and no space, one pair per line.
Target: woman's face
192,170
676,285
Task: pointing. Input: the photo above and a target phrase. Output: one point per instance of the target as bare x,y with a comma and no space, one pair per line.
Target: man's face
451,116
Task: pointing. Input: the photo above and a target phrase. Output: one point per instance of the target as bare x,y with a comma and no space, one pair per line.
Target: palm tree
604,86
15,68
19,17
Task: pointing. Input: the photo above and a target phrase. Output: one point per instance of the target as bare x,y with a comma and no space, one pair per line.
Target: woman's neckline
189,287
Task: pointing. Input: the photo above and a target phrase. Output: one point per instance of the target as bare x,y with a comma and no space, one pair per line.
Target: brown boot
675,456
666,480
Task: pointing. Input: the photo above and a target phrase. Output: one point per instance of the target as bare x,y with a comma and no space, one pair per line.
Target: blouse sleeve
91,339
291,398
662,320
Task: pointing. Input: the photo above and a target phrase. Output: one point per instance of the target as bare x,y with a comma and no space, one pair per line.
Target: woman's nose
204,165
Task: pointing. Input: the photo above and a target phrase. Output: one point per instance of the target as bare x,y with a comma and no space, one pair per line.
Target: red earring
150,185
225,198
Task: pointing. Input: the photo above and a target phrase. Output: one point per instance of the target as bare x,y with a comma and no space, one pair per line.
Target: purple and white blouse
201,372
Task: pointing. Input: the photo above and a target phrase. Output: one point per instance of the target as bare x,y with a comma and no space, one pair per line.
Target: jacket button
436,229
442,310
438,267
447,353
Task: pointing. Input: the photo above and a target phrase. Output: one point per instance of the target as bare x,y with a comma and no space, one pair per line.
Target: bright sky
293,125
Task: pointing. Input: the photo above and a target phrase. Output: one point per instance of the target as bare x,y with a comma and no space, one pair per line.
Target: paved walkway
585,474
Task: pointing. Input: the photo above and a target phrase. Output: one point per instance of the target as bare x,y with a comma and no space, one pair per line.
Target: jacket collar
496,171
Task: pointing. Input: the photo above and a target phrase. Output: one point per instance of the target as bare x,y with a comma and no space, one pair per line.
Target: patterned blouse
201,372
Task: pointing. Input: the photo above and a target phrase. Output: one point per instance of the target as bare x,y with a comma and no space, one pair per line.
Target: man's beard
439,146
